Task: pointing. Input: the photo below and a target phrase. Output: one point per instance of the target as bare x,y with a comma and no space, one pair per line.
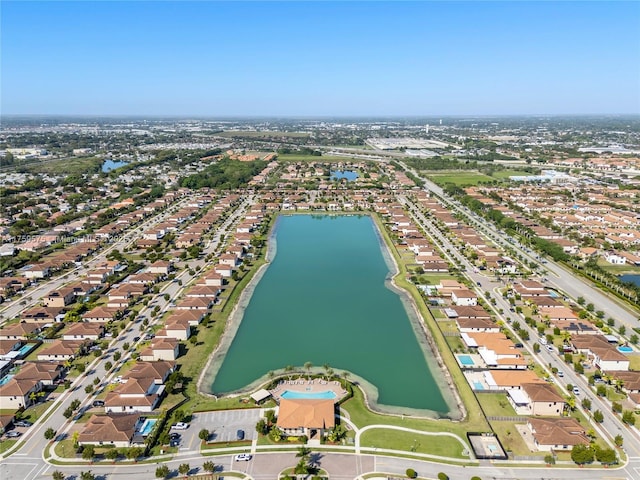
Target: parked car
180,426
560,373
22,423
98,403
576,391
174,436
12,434
243,457
240,434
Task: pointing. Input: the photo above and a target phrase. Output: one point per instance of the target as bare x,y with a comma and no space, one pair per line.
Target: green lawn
461,178
34,412
441,445
618,269
67,166
496,404
434,278
634,361
510,438
6,445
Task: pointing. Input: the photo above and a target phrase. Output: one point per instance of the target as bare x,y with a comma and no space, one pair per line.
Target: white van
543,341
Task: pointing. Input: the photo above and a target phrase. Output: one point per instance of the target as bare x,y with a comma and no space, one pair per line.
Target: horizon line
320,116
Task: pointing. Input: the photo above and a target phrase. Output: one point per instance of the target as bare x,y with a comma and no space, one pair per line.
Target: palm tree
326,369
307,367
345,375
571,403
288,369
304,453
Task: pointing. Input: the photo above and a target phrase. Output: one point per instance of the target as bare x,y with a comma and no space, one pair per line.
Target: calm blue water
350,175
292,395
5,379
631,278
109,165
625,349
324,299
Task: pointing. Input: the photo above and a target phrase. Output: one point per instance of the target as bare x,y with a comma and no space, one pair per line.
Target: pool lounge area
316,388
470,361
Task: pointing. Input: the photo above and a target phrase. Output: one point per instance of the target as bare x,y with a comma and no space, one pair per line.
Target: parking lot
223,426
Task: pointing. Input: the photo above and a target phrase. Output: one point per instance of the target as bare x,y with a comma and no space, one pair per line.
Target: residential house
539,398
48,373
83,331
113,429
20,331
17,393
60,297
558,434
161,349
602,354
464,297
142,388
61,350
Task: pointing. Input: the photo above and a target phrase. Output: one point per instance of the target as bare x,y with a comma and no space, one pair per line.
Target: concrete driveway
223,426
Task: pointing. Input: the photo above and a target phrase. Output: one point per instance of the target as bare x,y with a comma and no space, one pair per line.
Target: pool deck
308,386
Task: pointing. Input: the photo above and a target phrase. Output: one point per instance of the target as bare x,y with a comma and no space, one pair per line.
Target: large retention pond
326,298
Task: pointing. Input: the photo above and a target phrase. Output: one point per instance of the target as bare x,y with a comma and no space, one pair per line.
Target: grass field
496,404
441,445
68,166
618,269
467,178
461,178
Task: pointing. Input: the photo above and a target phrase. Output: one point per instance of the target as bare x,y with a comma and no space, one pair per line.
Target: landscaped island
327,298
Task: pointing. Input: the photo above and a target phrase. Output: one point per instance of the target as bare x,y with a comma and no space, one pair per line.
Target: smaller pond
109,165
633,278
349,175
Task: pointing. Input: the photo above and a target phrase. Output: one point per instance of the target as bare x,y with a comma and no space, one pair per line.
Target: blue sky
325,58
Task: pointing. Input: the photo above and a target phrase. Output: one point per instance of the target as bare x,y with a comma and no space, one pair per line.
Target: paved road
560,277
341,466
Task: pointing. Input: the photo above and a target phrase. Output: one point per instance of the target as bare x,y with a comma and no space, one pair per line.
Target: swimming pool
478,385
25,349
294,395
465,360
624,349
147,426
5,379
